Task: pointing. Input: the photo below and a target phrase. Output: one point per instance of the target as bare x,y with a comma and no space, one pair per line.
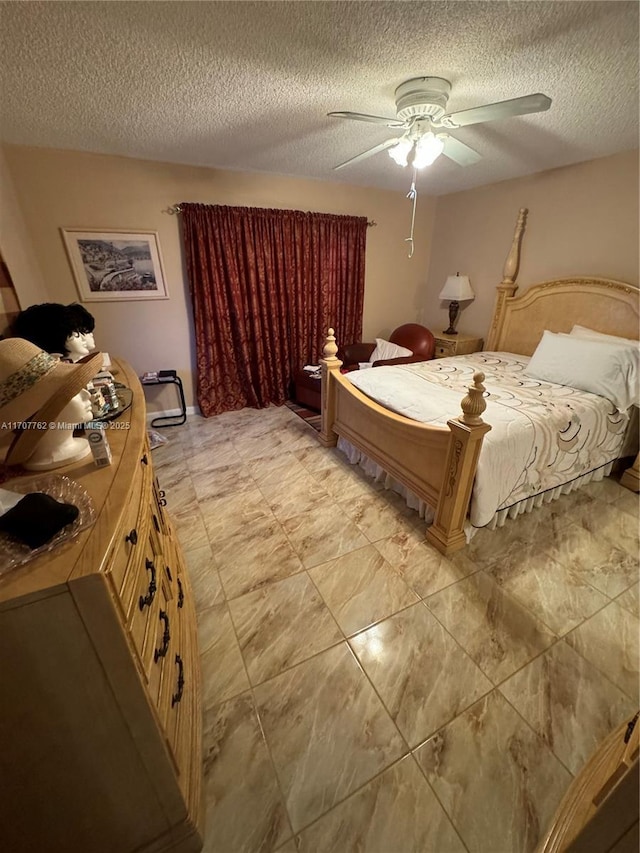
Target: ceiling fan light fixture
421,105
428,148
400,152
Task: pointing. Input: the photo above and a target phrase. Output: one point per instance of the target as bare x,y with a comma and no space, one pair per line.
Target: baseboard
171,413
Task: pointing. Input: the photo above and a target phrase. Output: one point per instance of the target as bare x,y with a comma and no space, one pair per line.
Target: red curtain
265,287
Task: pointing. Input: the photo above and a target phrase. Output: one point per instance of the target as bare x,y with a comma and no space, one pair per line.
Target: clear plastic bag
156,439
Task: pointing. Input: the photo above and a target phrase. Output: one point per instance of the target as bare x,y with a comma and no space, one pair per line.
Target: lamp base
454,307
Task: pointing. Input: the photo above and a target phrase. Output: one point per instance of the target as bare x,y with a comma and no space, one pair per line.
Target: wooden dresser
599,812
100,718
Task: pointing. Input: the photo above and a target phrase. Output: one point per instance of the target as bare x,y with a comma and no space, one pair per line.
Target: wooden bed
438,463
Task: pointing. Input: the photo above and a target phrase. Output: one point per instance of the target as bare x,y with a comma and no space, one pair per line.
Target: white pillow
608,369
591,334
385,349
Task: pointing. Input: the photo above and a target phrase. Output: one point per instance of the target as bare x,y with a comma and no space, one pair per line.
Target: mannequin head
79,341
58,446
78,344
78,410
35,390
57,328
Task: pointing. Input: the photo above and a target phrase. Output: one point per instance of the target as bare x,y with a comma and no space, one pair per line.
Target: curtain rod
177,209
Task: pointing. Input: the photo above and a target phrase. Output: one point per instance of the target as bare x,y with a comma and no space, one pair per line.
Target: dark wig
50,324
80,320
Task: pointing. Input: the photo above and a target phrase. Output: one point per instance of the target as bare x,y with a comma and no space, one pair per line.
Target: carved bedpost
329,365
631,477
467,432
508,285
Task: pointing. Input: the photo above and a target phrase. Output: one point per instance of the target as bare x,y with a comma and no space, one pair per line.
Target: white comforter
543,435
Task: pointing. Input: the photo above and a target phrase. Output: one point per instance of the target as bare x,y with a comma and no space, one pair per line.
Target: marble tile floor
364,693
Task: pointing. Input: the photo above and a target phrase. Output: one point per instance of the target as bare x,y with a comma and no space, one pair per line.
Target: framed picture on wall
112,266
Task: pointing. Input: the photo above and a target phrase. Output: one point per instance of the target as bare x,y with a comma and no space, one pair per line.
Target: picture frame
115,265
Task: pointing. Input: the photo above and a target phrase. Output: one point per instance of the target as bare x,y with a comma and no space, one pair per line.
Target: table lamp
456,290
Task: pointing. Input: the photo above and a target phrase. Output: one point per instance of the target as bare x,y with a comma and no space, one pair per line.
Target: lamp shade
458,288
400,152
428,148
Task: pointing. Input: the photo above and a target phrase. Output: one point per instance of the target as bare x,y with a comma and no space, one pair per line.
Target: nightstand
447,345
308,389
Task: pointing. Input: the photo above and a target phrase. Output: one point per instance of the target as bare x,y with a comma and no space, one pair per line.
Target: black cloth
36,519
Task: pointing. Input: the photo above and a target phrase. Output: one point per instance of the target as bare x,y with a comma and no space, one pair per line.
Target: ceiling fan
420,107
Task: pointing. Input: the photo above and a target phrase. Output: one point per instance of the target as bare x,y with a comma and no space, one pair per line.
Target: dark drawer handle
178,696
132,536
145,460
156,523
631,726
145,600
180,594
166,636
168,571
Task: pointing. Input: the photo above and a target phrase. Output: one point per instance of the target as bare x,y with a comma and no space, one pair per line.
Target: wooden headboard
518,322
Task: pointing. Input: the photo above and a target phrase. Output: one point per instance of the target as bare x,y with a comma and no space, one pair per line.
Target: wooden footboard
438,464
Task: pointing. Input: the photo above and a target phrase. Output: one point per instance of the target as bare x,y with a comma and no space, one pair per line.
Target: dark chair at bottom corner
412,336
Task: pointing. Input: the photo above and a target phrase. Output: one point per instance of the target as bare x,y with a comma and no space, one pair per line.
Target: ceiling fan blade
390,122
459,152
369,153
537,103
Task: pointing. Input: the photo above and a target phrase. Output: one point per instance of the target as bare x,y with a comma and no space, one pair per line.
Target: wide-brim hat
34,388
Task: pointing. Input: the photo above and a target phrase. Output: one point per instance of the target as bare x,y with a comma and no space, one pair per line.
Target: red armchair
412,336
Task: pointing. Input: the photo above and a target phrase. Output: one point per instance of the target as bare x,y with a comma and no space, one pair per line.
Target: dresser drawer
181,739
143,599
444,349
132,535
148,548
129,539
174,688
178,678
178,705
163,640
158,503
176,594
456,345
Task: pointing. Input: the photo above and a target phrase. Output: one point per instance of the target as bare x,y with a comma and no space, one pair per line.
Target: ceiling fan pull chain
413,195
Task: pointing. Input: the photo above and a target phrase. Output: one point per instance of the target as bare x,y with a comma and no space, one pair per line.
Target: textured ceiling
244,85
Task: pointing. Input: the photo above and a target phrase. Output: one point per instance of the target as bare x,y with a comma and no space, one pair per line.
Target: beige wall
583,220
72,189
15,243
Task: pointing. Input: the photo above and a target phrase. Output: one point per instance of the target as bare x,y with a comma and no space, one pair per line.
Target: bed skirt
379,475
